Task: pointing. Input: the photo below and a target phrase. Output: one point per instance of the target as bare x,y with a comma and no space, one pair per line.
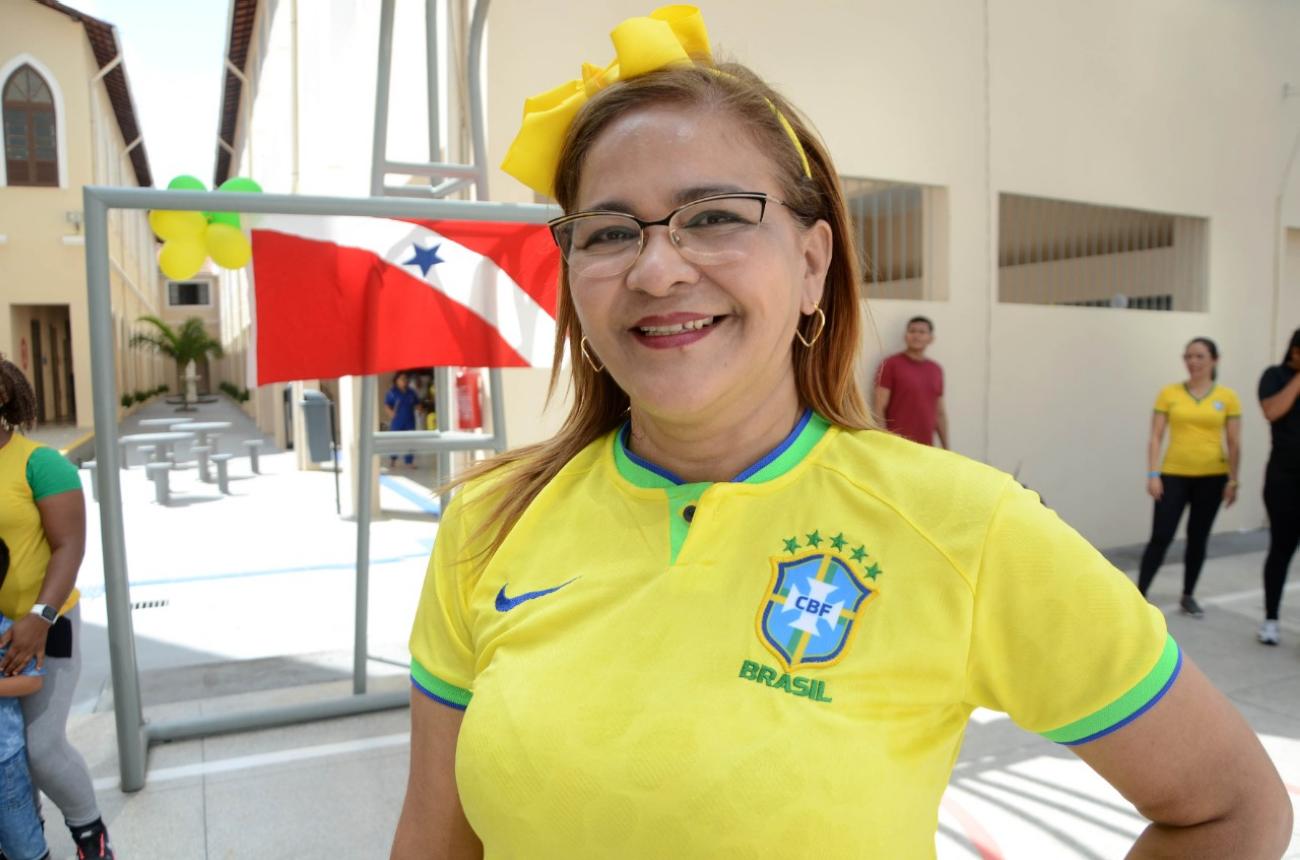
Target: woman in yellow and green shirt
43,521
1200,415
719,614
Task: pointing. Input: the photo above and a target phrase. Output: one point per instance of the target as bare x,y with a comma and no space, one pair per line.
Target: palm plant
189,342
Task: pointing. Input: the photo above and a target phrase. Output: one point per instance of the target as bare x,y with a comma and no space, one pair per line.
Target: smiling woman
720,614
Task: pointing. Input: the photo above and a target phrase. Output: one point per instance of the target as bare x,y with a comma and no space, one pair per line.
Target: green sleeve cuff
437,689
1127,707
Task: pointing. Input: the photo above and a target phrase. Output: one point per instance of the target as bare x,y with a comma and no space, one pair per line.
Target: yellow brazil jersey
20,519
1196,429
781,665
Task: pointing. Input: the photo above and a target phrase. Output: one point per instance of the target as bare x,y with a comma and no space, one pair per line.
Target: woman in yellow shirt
718,612
1200,415
43,521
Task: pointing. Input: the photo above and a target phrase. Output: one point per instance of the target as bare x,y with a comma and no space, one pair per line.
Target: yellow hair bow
669,36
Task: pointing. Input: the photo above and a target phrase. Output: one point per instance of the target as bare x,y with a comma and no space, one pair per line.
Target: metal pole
379,155
128,712
334,459
305,204
365,498
442,397
495,380
117,198
478,128
432,64
345,706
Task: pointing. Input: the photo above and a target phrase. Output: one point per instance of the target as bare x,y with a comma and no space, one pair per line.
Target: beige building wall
1113,103
1137,107
42,262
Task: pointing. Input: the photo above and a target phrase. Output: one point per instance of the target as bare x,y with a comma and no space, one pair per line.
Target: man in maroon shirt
909,389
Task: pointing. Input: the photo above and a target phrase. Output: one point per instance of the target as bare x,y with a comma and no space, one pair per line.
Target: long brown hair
824,373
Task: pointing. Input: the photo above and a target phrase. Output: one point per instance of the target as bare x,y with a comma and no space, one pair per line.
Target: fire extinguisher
469,401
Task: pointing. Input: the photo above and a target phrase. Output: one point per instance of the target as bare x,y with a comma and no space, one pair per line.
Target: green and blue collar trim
807,432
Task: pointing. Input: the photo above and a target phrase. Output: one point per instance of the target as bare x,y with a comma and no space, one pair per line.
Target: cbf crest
815,600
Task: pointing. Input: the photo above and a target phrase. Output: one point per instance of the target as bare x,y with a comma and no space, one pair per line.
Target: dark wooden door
69,390
56,373
38,370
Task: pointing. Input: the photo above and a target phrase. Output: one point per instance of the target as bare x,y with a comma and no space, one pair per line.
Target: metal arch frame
449,178
134,733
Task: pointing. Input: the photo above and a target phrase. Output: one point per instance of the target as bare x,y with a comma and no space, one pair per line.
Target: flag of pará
342,296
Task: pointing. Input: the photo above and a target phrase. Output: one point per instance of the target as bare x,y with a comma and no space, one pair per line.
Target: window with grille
900,233
187,293
1055,252
31,153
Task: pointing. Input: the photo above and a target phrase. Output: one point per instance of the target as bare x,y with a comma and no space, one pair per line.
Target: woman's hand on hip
1155,487
26,639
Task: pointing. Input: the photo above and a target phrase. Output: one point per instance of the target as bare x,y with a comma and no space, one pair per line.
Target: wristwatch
48,614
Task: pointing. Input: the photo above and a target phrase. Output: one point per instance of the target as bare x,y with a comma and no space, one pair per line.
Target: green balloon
231,218
240,183
185,182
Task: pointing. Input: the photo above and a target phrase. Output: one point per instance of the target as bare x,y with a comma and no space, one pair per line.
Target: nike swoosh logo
505,604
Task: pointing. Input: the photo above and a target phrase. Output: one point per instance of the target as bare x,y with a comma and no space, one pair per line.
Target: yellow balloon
181,258
168,224
228,246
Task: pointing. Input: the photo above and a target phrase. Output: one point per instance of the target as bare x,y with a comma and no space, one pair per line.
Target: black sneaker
92,843
1190,607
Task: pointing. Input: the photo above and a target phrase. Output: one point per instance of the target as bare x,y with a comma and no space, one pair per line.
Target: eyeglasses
707,232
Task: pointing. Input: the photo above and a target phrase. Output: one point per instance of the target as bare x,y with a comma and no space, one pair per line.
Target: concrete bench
254,446
92,467
158,473
223,476
202,452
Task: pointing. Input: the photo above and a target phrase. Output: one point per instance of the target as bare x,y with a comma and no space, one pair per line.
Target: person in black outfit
1278,389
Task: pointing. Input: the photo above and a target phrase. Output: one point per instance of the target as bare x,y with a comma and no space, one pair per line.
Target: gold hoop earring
582,347
821,326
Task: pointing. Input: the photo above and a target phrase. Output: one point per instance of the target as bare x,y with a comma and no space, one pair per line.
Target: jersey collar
807,432
1200,400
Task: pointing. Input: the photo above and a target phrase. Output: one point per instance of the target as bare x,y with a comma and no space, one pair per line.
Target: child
21,834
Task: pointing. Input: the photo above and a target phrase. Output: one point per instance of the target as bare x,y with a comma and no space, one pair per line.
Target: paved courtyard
246,601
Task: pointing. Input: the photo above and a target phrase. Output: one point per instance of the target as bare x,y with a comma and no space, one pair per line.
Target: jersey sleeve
1061,640
442,652
1231,404
49,473
1163,401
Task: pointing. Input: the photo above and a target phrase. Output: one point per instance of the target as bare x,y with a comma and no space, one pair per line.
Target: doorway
45,354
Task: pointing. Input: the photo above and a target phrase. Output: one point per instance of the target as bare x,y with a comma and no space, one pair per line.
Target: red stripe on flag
325,311
525,252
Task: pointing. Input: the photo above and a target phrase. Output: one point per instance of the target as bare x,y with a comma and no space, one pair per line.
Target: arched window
31,154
